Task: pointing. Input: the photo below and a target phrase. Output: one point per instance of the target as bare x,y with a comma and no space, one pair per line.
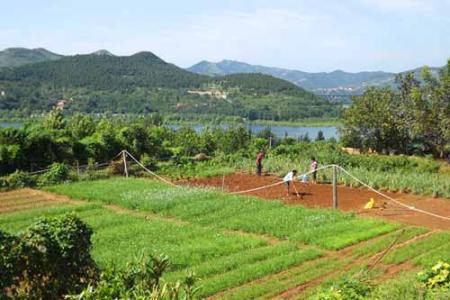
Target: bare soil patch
28,199
350,199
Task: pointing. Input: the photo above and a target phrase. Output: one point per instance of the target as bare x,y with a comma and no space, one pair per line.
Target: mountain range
143,82
324,83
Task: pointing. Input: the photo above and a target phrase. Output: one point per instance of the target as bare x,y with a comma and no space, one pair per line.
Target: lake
278,130
11,124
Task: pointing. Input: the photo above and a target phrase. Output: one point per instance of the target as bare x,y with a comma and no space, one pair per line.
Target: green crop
325,228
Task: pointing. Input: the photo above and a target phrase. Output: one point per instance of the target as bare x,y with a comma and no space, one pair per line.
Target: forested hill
143,82
13,57
105,72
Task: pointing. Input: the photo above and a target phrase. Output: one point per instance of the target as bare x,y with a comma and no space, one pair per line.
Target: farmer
313,169
287,181
259,159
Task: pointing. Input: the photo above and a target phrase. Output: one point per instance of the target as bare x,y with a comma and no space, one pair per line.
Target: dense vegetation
48,260
144,83
85,140
413,119
51,259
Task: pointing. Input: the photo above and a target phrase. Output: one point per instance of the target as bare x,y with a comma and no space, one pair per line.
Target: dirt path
28,199
350,199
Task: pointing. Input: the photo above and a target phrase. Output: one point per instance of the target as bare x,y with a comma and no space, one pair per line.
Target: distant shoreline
200,121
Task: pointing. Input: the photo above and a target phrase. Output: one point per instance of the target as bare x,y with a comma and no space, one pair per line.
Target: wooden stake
124,155
335,196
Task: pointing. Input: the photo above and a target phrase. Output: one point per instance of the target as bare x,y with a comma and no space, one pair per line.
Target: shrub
347,288
20,179
48,260
437,276
139,280
57,173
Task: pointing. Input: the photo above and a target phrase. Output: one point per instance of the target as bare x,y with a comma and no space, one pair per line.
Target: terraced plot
241,247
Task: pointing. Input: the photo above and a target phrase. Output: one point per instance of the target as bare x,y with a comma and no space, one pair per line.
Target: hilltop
13,57
143,82
336,82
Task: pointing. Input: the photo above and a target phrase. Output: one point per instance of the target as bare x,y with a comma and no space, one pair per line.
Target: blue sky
364,35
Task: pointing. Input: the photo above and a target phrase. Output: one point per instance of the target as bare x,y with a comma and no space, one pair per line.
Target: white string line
392,199
152,173
71,167
280,182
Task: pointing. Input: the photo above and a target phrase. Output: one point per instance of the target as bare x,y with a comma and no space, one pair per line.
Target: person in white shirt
287,181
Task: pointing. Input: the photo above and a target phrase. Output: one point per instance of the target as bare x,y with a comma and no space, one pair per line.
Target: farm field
241,247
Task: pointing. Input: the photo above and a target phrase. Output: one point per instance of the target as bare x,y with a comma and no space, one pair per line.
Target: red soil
350,199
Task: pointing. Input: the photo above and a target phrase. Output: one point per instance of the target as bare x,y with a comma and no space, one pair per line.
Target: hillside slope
13,57
145,83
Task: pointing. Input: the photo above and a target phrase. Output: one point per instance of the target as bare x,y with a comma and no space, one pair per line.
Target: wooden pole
124,155
335,196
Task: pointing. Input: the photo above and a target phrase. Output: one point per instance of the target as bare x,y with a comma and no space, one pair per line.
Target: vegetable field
240,247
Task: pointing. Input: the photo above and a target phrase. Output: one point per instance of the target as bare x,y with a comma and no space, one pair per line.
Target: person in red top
313,169
259,159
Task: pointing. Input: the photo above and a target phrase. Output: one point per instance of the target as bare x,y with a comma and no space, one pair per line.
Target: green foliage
48,260
347,289
414,118
19,179
139,280
58,172
437,276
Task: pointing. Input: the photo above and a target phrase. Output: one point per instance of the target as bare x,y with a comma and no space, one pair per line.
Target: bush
48,260
437,276
139,280
57,173
346,289
20,179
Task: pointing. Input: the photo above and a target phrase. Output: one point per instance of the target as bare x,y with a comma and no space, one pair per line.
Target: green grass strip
253,271
421,246
289,279
235,261
372,247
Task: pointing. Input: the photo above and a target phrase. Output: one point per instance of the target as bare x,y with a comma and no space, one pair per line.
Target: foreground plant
141,279
437,277
48,260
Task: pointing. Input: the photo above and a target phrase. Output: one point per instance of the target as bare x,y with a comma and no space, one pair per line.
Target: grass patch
286,280
256,270
436,243
119,238
375,246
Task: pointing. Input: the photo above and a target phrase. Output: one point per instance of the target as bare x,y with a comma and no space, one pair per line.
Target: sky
313,36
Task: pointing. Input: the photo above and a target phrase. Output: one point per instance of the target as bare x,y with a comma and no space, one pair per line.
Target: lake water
278,130
281,130
11,124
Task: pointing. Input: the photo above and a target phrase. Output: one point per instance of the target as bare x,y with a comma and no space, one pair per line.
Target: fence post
125,163
335,196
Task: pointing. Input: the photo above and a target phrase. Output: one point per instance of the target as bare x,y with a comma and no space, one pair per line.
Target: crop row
324,228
